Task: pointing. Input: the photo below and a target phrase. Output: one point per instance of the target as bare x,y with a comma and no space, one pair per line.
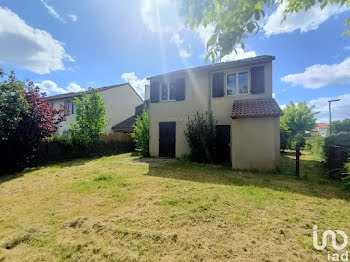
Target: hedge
336,151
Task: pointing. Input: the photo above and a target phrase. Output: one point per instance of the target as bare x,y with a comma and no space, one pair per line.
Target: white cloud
160,16
318,76
184,53
239,55
73,17
340,110
52,11
74,87
29,48
304,20
205,33
176,39
50,87
135,82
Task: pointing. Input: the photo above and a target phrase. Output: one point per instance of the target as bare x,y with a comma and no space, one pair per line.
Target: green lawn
123,208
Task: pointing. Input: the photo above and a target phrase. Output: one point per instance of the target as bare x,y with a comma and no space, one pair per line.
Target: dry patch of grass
124,208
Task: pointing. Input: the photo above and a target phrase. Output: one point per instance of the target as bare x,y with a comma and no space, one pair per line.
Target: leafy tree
141,133
200,135
340,126
12,104
90,118
234,20
296,120
36,124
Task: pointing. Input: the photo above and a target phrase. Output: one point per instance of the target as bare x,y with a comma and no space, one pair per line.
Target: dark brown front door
167,139
223,144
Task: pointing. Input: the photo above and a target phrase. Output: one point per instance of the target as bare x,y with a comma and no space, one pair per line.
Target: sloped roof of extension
127,124
255,108
76,94
223,65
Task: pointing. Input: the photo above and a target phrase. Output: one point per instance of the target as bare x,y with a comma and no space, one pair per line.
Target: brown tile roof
255,108
223,65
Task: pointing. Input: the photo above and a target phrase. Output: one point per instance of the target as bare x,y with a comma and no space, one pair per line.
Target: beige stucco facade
255,143
198,98
120,102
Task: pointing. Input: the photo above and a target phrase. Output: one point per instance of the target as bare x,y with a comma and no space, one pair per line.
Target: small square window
243,83
73,108
172,91
231,84
164,91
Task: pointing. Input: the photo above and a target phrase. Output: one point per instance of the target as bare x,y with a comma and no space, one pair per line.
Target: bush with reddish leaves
36,124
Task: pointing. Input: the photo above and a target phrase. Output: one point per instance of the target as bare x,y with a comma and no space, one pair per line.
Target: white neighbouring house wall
120,102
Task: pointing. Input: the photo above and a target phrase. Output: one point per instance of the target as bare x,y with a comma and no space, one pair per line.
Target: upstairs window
172,91
231,84
243,83
168,91
237,83
66,107
164,94
73,108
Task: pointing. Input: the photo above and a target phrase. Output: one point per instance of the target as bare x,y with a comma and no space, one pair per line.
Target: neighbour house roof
76,94
322,125
255,108
126,125
223,65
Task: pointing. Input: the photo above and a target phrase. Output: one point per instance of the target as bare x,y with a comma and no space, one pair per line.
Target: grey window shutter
180,89
257,75
218,84
154,92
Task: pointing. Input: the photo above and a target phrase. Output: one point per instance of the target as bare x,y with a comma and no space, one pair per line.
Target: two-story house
120,101
321,128
239,94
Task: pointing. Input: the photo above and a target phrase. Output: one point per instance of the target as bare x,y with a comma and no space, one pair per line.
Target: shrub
141,133
315,145
36,124
334,161
285,139
90,118
200,135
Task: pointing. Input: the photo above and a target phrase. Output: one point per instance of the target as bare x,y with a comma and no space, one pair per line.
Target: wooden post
297,157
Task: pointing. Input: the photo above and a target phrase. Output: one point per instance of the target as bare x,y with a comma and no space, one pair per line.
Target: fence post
297,157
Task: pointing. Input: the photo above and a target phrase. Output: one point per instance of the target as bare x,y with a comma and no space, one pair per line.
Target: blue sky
70,45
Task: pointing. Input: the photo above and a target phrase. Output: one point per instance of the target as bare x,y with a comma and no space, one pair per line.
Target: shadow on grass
313,181
59,164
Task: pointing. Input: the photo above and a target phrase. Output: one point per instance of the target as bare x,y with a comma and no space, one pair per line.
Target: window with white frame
237,83
168,91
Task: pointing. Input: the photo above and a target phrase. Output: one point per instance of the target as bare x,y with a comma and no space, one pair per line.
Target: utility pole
330,114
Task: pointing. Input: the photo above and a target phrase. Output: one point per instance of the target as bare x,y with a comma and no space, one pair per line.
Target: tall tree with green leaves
12,104
297,119
235,20
141,133
340,126
90,118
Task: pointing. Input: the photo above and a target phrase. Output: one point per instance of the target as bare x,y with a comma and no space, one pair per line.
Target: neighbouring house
321,128
239,93
120,101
